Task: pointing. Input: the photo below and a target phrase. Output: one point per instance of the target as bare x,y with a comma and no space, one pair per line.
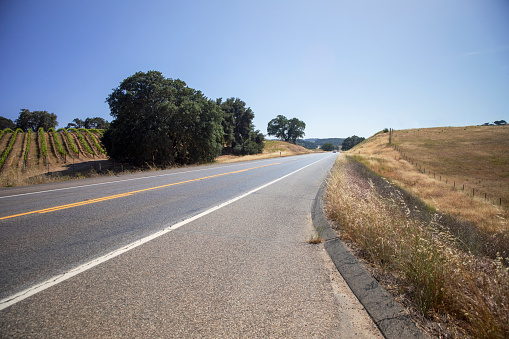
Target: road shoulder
388,315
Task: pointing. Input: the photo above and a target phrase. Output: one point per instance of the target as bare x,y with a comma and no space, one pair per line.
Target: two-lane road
205,251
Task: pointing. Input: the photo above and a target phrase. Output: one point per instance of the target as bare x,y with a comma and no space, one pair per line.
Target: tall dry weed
403,238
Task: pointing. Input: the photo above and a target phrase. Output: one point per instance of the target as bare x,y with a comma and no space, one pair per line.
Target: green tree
88,123
97,123
351,142
327,147
295,129
76,123
278,127
6,123
286,129
161,121
35,120
239,136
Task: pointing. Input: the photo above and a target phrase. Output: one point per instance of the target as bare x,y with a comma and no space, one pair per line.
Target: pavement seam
390,318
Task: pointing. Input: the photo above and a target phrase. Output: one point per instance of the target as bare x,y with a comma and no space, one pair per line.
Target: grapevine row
28,145
83,141
9,147
69,139
42,138
56,140
94,140
7,130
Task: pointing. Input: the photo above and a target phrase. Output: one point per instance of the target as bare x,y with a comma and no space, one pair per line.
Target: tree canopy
239,135
35,120
6,123
327,147
162,121
351,142
286,129
96,122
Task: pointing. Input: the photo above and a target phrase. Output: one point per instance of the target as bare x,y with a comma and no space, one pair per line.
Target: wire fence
472,191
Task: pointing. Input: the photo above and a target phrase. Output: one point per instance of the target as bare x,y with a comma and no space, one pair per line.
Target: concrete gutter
388,315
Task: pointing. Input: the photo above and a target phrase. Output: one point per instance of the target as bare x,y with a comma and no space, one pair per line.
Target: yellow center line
121,195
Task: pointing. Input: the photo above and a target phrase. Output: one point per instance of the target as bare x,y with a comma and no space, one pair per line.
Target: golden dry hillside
466,168
443,255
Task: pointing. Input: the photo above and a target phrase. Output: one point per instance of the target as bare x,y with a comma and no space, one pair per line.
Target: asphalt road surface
209,251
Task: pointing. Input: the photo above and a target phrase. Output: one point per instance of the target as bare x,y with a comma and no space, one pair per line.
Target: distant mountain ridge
312,143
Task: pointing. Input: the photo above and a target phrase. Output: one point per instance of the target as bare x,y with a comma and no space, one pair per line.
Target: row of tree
33,120
496,123
161,121
89,123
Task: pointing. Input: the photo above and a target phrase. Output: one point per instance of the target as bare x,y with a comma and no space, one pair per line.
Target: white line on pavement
117,181
13,299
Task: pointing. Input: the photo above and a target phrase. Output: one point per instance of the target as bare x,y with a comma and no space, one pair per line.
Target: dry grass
273,149
36,173
454,293
451,157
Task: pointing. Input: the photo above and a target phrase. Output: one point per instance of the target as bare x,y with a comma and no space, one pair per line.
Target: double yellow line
116,196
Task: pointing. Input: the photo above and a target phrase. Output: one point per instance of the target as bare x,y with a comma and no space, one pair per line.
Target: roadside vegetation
158,123
67,162
272,149
441,252
26,158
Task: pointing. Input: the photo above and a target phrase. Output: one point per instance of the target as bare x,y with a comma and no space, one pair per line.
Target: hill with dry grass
273,149
435,234
461,170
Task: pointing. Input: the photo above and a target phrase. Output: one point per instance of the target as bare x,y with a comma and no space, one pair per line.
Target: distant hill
313,143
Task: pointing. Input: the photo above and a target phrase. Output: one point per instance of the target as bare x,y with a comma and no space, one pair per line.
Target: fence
475,191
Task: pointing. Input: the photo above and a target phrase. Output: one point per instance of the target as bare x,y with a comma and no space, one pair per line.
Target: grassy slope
477,155
464,291
474,156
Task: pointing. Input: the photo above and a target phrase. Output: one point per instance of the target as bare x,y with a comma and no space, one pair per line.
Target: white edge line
13,299
116,181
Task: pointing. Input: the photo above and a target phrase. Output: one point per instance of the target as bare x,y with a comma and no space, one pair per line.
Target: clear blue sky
343,67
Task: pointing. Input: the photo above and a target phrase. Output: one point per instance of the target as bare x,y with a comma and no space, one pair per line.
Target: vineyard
26,157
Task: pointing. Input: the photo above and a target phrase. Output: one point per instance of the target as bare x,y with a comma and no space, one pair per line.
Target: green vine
42,138
96,143
69,139
29,134
56,140
6,152
83,141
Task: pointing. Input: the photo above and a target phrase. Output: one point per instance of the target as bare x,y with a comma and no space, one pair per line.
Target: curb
388,315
